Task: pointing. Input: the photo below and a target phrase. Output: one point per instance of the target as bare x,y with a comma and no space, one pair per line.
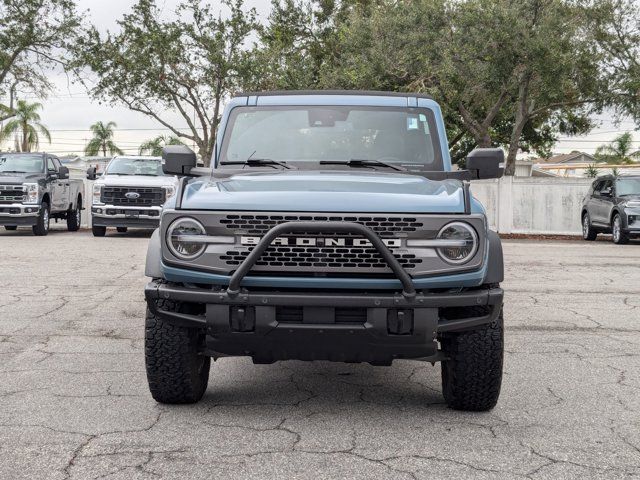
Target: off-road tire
122,229
176,372
98,231
472,376
619,237
41,228
74,218
588,233
11,228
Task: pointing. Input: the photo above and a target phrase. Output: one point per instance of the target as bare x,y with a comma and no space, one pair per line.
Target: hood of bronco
325,191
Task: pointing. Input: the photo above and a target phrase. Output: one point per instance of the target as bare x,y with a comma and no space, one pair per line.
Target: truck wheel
619,237
74,218
98,231
176,372
472,377
41,228
121,229
588,233
11,228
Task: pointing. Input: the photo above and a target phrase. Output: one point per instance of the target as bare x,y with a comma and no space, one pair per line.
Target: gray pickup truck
34,188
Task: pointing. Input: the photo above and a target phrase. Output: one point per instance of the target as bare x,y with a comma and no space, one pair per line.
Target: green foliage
154,146
189,65
102,140
619,151
615,172
34,36
25,127
592,171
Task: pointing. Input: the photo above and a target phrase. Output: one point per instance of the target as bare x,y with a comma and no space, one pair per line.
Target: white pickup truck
130,194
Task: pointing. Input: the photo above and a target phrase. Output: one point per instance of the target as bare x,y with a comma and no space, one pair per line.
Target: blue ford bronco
330,227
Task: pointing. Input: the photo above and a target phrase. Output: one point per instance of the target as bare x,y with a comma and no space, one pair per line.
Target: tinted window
21,163
316,133
135,166
50,165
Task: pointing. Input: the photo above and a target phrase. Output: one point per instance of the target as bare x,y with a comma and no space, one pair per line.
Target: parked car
612,205
34,188
330,228
129,194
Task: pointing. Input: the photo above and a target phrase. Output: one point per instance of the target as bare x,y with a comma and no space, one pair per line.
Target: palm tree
102,140
618,151
25,126
154,146
591,171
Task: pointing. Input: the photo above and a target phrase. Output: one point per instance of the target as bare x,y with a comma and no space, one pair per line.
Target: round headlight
180,238
467,239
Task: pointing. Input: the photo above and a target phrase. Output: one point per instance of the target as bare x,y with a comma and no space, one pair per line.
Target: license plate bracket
132,214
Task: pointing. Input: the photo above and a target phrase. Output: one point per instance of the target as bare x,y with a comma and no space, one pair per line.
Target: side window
597,186
57,163
608,185
51,166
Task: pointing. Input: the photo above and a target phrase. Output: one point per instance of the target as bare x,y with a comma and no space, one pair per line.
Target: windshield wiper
12,171
357,162
257,162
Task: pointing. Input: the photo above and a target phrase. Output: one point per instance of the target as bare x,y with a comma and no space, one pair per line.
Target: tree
190,65
516,87
102,140
154,146
25,126
591,171
34,35
619,151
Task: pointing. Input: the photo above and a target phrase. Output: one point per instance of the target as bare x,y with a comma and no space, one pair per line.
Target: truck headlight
31,191
458,231
97,193
178,235
169,191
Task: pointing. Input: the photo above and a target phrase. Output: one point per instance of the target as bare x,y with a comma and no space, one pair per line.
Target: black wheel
176,372
472,376
74,218
98,231
41,228
619,237
122,229
588,233
11,228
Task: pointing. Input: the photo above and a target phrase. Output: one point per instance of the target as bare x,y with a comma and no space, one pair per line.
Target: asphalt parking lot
74,401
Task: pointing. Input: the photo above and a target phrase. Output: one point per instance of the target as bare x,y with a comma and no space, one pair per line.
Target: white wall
533,205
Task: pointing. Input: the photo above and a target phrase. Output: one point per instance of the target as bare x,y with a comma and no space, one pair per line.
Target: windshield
16,163
150,167
628,186
403,136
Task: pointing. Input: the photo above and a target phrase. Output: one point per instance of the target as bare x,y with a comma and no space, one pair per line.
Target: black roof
375,93
611,176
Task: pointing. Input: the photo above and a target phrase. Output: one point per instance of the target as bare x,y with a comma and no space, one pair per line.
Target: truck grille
11,194
343,259
148,196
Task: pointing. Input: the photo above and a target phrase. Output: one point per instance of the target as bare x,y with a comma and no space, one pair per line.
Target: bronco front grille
147,196
12,194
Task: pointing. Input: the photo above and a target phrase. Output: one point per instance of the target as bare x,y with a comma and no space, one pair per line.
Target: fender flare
153,266
495,266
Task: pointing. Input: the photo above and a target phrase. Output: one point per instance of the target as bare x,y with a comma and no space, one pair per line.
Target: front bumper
349,327
118,216
19,214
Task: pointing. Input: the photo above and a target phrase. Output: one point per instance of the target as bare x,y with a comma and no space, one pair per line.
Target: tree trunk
522,116
104,149
25,137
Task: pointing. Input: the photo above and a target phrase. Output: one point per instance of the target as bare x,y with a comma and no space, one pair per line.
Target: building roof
574,156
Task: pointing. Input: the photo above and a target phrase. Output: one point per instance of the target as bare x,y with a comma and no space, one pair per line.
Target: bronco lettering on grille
321,241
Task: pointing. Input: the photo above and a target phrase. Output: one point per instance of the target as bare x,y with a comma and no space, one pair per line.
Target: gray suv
612,205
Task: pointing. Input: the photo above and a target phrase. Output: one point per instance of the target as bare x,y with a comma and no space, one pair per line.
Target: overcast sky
69,111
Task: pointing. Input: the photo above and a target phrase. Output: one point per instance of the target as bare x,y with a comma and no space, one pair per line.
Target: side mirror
607,192
63,173
91,173
178,160
486,163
